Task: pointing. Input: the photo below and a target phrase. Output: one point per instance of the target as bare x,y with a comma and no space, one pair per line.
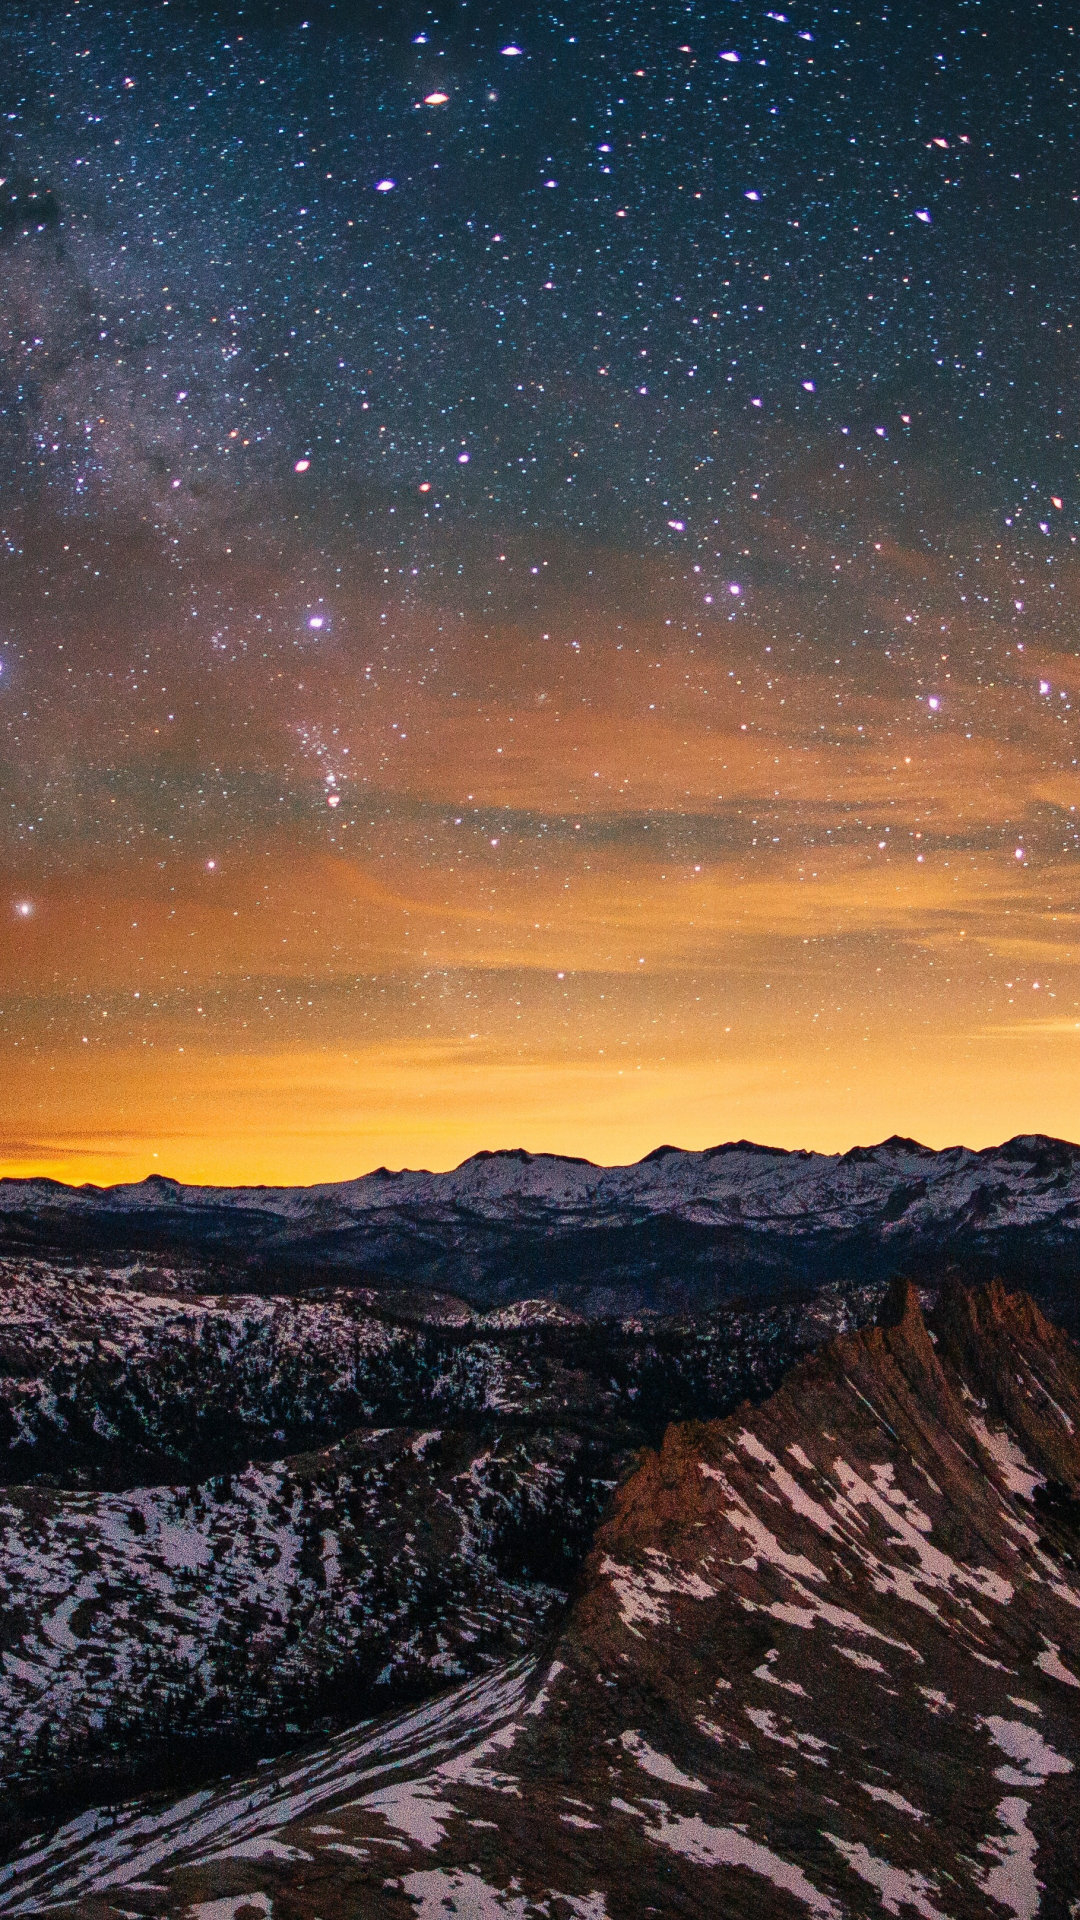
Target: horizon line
856,1151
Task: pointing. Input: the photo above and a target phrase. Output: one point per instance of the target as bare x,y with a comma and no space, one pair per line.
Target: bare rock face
825,1661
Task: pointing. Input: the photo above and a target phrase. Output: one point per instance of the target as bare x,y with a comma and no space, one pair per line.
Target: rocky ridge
825,1660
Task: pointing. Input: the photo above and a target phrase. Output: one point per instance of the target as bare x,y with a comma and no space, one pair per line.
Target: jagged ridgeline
823,1658
679,1231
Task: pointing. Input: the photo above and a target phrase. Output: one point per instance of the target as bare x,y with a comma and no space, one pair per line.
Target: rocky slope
229,1519
825,1660
136,1629
679,1229
113,1378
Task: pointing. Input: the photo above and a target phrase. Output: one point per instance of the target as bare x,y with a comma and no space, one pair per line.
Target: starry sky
538,580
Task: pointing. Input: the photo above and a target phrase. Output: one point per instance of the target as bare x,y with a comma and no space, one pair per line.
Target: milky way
539,580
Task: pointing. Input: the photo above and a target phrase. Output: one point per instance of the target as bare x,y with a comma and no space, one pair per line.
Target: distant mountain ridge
677,1229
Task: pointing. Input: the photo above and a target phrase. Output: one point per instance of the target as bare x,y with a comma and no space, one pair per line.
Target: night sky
538,580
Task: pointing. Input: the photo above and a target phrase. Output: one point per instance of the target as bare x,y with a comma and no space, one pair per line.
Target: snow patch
412,1808
908,1527
537,1706
263,1848
1012,1883
1014,1467
799,1501
890,1798
658,1764
898,1886
436,1893
640,1592
232,1904
806,1744
710,1846
865,1661
1024,1744
1050,1662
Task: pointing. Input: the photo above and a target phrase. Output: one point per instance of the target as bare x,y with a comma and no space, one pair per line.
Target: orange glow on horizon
298,1119
596,879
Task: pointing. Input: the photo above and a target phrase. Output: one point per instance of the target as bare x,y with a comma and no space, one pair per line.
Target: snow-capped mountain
824,1661
677,1228
275,1458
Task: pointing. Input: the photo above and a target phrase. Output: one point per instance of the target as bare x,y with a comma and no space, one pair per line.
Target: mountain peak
901,1306
522,1157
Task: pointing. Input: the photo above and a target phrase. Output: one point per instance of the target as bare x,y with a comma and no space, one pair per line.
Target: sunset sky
539,588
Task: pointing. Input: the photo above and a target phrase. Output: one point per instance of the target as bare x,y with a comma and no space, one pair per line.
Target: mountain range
679,1230
541,1541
